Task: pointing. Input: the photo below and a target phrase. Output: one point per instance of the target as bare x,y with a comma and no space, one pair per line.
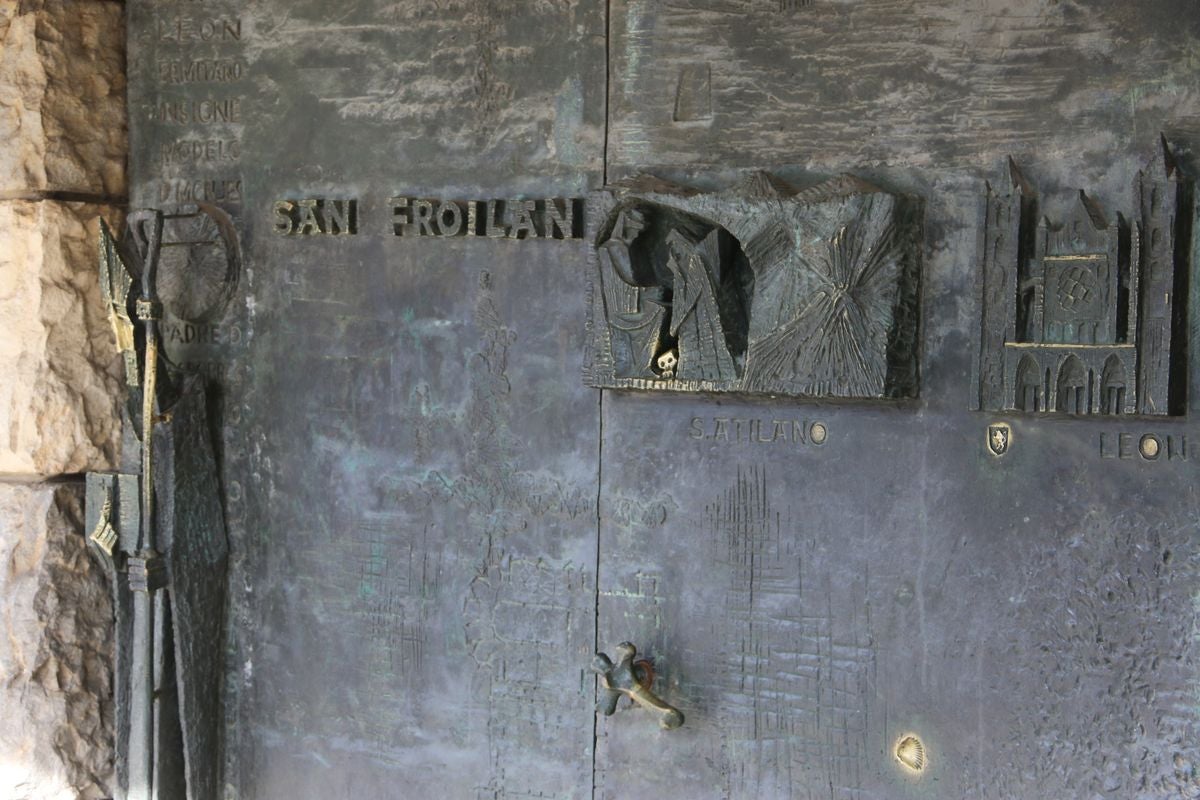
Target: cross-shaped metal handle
632,679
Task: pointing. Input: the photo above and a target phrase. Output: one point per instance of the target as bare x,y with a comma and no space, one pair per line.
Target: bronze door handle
632,679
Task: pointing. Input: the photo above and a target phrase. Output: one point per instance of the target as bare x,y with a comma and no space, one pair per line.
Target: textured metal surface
191,537
831,84
412,465
762,287
1031,617
123,492
408,452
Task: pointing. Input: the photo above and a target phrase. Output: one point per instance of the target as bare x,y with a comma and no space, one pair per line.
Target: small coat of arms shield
999,437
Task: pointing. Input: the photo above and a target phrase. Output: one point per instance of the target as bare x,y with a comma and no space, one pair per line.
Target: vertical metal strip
600,402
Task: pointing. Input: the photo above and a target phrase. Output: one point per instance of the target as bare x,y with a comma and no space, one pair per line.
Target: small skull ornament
667,362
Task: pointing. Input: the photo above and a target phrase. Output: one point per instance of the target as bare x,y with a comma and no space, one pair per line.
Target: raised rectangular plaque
1086,316
756,288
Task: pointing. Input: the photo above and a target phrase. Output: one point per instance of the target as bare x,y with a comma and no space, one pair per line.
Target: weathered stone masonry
62,166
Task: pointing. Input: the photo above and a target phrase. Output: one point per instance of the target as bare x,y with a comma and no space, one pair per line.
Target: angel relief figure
695,316
635,308
661,277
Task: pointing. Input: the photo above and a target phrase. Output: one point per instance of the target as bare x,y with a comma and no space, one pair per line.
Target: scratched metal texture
408,455
411,466
925,83
192,538
1033,618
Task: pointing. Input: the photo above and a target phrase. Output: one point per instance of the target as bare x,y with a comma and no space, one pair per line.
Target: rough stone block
62,97
55,656
58,406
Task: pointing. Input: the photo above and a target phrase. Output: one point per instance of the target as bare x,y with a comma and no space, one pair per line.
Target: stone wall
62,167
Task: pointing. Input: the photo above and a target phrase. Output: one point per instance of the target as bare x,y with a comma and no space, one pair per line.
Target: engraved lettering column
191,125
189,72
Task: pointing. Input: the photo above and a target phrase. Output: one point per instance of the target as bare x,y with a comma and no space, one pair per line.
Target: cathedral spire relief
1086,315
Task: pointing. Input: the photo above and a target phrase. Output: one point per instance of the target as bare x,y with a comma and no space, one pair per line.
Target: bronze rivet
818,432
1149,446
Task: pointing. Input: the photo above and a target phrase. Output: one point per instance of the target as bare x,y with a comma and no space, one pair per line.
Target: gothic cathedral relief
758,288
1087,315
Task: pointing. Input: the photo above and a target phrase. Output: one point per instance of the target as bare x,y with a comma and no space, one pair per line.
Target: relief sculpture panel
1087,315
758,288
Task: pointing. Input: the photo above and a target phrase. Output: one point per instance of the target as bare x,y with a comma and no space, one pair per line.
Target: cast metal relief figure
757,288
1086,315
635,310
664,315
702,351
158,526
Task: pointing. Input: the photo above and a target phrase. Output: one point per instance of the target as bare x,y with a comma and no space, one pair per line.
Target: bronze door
435,521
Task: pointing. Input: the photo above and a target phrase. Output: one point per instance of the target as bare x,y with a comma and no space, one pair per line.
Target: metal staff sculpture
147,227
161,535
